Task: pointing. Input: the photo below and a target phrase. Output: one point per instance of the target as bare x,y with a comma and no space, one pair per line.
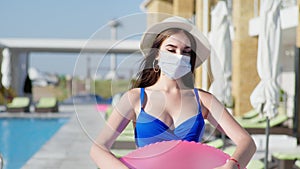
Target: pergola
20,48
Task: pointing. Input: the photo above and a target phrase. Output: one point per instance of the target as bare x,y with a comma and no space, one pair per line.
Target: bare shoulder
208,99
134,92
128,103
204,94
132,95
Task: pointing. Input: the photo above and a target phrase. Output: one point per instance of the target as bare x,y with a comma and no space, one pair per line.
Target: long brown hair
148,76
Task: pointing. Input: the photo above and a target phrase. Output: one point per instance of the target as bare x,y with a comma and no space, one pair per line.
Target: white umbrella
265,97
220,59
6,68
266,93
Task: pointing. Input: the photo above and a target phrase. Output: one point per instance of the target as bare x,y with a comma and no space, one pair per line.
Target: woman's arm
223,120
121,115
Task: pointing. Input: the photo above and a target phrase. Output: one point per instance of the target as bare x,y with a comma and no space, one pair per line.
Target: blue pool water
20,138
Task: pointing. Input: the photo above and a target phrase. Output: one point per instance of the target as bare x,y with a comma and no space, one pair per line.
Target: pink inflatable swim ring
175,155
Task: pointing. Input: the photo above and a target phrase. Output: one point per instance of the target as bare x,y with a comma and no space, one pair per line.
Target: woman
164,105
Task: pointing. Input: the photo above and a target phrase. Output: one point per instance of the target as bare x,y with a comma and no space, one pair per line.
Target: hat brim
202,44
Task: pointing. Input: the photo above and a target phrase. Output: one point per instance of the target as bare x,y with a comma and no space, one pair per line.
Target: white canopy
70,45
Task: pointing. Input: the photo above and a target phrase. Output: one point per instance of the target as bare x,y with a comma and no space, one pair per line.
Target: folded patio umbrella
6,68
265,97
220,60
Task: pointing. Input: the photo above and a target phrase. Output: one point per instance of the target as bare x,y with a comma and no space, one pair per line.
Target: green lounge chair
253,164
126,140
217,143
108,112
47,104
260,122
19,104
285,160
249,115
257,124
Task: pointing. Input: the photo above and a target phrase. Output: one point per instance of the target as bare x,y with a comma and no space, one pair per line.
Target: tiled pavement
69,147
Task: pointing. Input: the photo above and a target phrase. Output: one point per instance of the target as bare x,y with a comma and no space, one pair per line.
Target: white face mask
173,65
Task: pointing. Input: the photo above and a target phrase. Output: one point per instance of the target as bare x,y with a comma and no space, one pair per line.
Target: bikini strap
198,98
142,94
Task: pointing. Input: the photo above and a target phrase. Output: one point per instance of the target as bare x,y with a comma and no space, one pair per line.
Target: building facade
244,45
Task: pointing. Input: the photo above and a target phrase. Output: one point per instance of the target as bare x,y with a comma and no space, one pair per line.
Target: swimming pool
20,138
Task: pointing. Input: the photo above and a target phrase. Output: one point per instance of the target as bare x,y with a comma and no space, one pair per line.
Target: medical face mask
173,65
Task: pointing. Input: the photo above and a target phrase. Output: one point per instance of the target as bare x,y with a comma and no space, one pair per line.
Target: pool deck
69,147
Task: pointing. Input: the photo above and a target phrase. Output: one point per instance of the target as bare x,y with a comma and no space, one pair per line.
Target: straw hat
202,44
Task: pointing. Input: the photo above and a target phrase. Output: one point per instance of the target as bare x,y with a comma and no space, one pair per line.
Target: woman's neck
168,85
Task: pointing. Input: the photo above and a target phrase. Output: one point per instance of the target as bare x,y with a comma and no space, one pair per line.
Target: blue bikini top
149,129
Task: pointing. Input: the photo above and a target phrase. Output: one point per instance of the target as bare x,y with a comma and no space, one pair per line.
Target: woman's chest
171,109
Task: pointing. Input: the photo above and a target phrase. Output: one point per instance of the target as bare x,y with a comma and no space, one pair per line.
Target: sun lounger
47,104
260,122
256,124
19,104
253,164
297,164
217,143
126,139
108,111
230,149
249,115
285,160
